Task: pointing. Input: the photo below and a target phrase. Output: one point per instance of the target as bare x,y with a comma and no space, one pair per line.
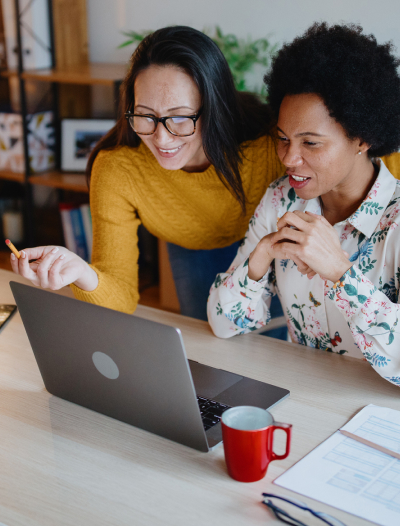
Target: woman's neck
197,167
341,202
198,163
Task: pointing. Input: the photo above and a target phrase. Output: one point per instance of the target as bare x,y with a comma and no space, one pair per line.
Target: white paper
352,477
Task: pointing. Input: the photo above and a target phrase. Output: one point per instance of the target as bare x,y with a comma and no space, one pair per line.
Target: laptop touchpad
209,381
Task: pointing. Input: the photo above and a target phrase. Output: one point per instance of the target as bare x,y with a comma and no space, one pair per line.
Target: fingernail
13,257
54,250
62,256
23,255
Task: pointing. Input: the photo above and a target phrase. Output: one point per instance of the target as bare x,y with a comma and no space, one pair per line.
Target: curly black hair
356,77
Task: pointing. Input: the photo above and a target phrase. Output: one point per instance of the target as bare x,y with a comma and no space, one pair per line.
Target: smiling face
164,91
315,149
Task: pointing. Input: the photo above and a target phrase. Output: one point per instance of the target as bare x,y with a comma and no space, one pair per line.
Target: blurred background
277,20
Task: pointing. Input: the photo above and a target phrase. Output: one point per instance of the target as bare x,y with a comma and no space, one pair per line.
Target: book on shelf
77,229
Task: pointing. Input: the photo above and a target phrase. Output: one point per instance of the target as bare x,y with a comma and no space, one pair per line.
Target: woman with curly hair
325,237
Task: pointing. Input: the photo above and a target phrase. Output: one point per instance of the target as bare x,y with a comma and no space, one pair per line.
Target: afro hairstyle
356,77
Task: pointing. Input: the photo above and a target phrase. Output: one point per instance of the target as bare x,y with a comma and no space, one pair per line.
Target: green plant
241,54
133,38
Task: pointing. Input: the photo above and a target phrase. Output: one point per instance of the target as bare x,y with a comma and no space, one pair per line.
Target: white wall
282,19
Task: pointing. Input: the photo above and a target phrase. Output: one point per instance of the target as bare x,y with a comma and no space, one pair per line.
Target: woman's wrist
88,281
259,261
342,269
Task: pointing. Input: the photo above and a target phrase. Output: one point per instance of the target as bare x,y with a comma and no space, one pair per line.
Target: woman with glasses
326,236
189,159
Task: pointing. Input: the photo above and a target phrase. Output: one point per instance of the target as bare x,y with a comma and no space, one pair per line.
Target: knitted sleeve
393,163
115,242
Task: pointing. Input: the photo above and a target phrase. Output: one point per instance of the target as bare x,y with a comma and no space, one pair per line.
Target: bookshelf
90,74
68,78
102,73
107,74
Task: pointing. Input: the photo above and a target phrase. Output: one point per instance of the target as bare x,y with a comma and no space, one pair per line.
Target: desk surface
61,464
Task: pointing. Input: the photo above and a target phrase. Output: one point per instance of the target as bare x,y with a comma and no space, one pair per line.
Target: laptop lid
104,360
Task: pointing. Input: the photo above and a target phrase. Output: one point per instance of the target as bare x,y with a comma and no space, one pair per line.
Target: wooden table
61,464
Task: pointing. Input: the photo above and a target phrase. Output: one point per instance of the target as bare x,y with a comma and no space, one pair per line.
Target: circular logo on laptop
105,365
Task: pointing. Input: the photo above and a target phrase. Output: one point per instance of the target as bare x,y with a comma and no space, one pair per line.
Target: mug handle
287,428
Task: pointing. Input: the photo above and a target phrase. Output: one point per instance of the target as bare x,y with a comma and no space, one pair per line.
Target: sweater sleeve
393,164
373,321
238,304
115,243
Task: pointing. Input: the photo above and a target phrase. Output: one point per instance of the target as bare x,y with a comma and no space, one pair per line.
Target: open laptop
132,369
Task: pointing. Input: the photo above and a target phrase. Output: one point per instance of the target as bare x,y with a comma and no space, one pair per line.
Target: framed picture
78,138
40,142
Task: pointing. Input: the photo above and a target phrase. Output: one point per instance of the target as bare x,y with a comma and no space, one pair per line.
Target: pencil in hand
12,248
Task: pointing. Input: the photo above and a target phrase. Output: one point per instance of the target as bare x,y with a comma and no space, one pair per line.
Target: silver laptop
132,369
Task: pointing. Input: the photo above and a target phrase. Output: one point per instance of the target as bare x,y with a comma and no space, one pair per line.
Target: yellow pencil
12,248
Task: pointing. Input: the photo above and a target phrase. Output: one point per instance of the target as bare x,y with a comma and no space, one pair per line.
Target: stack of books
77,229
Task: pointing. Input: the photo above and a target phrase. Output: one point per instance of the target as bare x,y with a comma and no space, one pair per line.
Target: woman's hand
306,270
265,252
312,244
53,268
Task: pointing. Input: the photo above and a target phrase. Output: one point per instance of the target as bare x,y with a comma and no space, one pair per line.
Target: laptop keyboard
211,411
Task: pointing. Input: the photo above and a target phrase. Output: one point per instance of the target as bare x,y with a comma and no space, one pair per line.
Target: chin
170,164
307,193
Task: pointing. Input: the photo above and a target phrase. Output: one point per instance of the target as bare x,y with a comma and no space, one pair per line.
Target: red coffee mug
248,434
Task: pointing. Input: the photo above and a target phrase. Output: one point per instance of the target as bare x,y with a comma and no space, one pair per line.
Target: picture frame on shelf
41,142
78,138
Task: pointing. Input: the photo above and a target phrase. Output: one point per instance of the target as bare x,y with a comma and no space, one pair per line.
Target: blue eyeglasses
286,517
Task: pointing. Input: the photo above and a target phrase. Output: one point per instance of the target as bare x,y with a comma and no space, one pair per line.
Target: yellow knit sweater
193,210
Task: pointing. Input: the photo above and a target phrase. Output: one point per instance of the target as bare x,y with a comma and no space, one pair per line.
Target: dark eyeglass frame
195,117
284,516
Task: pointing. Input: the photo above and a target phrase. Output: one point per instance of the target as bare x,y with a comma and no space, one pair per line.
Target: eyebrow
303,134
170,109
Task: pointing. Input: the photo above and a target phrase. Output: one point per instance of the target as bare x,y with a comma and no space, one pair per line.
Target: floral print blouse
358,315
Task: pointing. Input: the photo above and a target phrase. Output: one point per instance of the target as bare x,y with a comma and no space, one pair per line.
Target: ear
362,146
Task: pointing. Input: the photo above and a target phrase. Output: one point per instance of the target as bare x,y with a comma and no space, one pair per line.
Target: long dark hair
228,118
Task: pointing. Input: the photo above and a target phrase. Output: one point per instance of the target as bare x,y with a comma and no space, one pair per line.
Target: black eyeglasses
286,517
180,125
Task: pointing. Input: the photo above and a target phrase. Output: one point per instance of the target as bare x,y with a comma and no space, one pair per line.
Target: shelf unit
91,74
63,181
95,73
12,176
81,74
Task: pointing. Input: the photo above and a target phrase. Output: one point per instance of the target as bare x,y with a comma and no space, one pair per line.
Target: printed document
352,477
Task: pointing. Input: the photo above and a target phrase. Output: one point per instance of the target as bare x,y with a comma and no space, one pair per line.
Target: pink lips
297,184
